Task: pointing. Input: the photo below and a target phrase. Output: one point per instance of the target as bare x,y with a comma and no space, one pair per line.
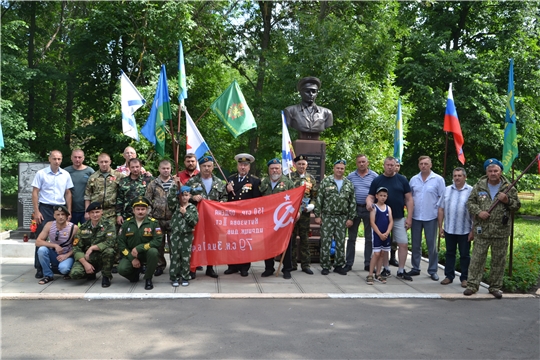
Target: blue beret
205,159
184,189
341,161
493,161
274,161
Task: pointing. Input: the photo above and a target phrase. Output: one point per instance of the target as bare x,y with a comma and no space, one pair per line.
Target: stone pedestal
25,208
315,150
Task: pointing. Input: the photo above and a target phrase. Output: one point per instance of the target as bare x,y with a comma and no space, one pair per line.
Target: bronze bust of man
307,117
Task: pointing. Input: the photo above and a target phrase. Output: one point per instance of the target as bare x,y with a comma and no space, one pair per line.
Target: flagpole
204,113
219,167
510,261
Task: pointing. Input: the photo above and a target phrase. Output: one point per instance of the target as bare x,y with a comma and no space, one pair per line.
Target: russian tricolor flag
451,124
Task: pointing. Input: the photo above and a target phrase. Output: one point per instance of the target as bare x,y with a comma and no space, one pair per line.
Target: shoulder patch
75,241
152,219
128,219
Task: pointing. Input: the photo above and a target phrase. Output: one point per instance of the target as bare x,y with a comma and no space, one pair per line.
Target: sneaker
369,280
185,282
404,276
325,272
175,283
386,273
413,273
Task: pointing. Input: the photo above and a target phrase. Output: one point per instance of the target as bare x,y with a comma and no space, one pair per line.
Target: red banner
245,231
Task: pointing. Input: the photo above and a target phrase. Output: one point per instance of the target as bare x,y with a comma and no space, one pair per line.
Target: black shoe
244,273
325,272
340,270
307,271
210,272
105,282
148,285
294,268
267,273
158,272
366,267
91,277
230,271
386,273
413,273
286,274
143,269
347,268
114,270
199,268
393,262
39,274
192,275
404,276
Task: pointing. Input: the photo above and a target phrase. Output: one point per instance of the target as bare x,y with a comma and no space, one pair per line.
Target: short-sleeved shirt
79,179
361,185
426,195
52,187
457,220
397,186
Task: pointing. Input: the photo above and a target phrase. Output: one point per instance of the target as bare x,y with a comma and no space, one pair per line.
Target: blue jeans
47,211
430,231
47,259
452,242
77,218
363,216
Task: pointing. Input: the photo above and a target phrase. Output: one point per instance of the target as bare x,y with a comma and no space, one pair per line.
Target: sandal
369,280
45,280
380,278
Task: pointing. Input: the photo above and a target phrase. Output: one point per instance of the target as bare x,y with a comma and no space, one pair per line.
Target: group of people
89,221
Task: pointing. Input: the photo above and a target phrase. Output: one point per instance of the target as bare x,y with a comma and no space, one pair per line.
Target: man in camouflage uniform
94,247
335,210
157,192
211,188
491,229
300,178
102,187
139,240
275,183
129,188
184,219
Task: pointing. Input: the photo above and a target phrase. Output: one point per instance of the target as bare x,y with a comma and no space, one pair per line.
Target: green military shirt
218,192
311,186
332,202
147,236
129,189
156,193
103,235
102,188
283,184
181,223
480,200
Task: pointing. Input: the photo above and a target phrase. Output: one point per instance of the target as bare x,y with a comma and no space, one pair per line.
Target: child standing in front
184,219
381,225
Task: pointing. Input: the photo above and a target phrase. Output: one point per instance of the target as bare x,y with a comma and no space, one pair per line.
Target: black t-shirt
397,186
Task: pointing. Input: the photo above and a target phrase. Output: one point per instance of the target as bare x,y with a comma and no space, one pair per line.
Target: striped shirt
457,220
361,185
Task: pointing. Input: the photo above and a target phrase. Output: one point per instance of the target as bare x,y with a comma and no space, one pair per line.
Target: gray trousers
362,216
430,231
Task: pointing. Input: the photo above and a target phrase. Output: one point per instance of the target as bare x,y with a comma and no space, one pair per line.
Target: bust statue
307,117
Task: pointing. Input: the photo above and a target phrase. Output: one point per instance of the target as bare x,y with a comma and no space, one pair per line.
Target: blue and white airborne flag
131,100
287,150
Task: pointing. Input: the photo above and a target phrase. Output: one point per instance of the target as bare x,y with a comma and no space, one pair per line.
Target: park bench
526,196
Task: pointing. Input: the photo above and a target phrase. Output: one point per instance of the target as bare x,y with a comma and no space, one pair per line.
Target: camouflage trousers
333,226
165,226
101,261
301,229
150,258
180,255
499,247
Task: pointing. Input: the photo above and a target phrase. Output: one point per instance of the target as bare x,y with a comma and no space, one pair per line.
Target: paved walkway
17,282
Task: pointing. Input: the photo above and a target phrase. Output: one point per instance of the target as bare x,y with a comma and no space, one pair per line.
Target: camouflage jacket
128,189
480,200
311,185
103,235
147,236
283,184
332,202
181,223
102,187
158,199
218,192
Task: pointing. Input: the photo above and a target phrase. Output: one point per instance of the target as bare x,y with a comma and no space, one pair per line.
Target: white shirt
426,195
52,187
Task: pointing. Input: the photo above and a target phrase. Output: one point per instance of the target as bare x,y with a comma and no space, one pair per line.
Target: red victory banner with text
245,231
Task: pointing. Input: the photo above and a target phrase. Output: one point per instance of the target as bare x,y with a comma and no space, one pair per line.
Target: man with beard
275,183
190,162
242,186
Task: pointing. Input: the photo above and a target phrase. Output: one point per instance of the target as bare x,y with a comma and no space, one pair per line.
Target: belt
42,204
361,205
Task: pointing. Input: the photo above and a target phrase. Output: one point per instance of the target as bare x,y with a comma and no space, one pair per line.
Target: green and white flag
231,108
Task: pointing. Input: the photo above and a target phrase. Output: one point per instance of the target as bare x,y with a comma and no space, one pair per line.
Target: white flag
131,100
194,142
287,150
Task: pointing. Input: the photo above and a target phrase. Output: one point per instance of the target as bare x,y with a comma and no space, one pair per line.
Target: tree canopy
61,63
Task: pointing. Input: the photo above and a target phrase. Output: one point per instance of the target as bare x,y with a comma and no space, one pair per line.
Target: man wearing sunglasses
56,255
